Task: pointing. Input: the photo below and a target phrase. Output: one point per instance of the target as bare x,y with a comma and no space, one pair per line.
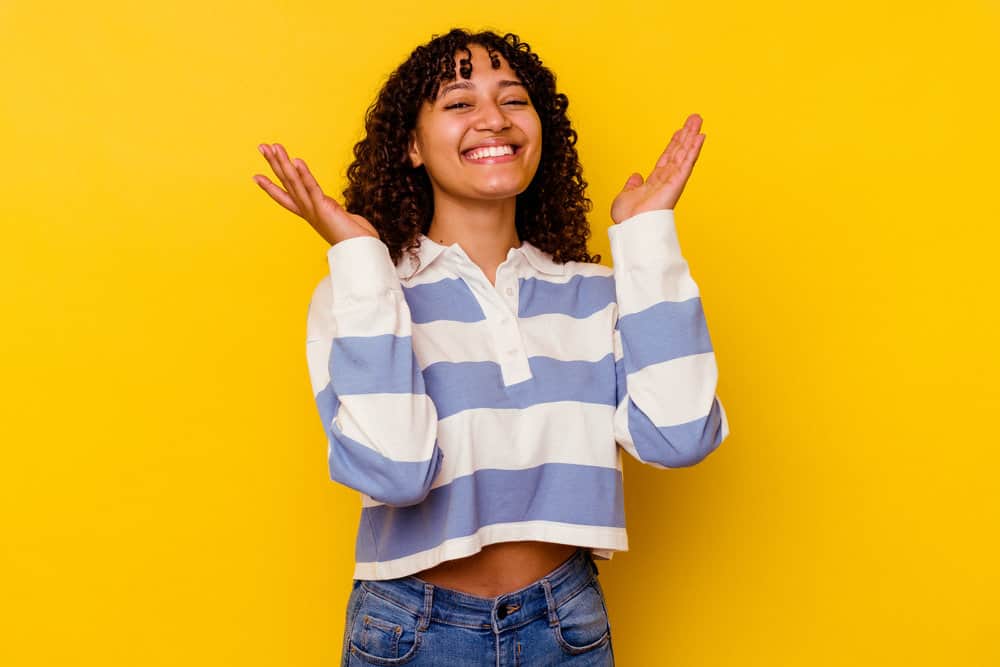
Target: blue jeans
559,619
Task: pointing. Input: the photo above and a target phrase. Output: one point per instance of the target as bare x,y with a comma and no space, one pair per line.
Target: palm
665,183
303,196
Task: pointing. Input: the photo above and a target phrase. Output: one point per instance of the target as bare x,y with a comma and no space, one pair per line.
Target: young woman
478,373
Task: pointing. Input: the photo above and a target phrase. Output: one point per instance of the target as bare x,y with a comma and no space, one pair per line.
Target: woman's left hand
666,182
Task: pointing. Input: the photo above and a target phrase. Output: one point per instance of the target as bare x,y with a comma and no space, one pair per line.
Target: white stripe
318,358
553,335
578,269
649,266
675,391
598,537
398,426
448,340
512,439
638,289
385,313
569,339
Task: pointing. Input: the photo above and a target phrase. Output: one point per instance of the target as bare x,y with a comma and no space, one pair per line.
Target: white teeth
491,151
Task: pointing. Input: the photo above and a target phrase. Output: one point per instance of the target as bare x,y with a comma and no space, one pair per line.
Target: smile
492,154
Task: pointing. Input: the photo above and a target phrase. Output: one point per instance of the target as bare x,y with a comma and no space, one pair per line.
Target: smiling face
481,138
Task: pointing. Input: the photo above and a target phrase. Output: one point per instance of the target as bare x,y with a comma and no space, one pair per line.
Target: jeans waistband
445,605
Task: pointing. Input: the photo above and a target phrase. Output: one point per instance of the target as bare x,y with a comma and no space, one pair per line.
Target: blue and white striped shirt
468,413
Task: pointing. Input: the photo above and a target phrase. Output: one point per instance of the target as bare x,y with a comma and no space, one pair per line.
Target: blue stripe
549,492
445,299
666,330
579,297
374,364
457,386
362,468
675,446
621,381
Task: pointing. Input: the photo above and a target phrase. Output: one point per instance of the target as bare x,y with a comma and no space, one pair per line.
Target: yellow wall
164,497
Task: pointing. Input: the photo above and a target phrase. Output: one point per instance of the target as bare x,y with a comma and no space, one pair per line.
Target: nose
492,117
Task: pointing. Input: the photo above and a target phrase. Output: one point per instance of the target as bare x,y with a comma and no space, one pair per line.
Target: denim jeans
559,619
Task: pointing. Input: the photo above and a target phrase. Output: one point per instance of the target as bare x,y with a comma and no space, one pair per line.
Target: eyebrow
503,83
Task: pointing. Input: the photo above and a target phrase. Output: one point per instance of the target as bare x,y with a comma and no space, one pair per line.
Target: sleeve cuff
361,269
646,239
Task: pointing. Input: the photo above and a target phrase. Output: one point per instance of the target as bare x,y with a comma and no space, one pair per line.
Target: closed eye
463,104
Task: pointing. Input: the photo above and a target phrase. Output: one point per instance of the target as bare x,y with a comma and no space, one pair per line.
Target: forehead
482,70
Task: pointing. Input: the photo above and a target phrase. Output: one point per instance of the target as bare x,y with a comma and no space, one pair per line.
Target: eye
456,105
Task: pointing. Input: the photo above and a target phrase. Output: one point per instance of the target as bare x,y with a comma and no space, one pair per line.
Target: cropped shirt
466,412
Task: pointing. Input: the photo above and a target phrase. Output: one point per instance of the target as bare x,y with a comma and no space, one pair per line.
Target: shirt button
509,290
511,352
505,320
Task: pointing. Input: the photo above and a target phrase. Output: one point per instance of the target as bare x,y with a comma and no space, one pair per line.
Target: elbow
395,483
681,445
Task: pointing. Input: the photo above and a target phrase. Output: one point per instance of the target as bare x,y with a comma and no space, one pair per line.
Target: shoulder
587,270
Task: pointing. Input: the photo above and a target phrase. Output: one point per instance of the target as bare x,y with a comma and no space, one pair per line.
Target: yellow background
164,496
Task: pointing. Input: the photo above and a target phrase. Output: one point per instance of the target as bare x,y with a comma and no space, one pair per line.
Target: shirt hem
601,540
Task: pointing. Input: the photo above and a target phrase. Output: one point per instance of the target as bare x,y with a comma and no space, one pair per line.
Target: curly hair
397,198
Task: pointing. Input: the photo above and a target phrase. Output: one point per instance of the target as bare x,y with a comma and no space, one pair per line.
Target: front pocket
383,632
583,621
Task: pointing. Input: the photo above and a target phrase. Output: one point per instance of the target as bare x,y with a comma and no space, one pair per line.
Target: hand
666,182
303,197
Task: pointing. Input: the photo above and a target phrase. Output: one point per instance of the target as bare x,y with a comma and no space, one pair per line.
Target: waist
499,568
426,599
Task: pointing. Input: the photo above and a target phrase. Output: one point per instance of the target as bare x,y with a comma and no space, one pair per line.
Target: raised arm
379,421
668,413
380,424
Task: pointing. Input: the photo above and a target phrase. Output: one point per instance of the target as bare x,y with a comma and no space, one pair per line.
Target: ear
413,151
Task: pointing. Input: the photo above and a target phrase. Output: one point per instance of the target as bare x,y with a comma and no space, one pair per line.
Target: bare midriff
499,568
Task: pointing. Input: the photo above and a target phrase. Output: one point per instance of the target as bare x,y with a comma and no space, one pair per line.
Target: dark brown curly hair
397,198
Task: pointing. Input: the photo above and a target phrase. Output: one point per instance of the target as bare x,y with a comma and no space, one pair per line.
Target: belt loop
425,615
593,565
550,602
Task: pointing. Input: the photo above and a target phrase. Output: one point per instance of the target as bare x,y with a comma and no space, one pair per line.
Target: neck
484,229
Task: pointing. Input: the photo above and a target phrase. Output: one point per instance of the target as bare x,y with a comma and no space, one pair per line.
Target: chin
502,190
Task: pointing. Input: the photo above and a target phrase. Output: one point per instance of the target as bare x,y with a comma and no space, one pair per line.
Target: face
491,108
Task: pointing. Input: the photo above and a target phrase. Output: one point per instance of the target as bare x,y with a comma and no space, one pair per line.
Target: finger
276,193
294,185
668,151
270,153
668,159
316,196
675,150
695,151
634,181
689,143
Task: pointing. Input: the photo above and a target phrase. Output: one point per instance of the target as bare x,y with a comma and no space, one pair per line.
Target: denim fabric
559,619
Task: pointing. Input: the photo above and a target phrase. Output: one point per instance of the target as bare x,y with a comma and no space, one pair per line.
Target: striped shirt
468,413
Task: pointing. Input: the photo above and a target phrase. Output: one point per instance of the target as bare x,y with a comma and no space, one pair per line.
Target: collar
430,251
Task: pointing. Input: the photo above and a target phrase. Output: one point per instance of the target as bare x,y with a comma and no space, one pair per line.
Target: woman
478,373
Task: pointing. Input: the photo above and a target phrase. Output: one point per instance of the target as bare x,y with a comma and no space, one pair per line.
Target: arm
668,414
380,423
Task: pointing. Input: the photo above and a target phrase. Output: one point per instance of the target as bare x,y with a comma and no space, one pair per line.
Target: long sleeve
381,425
668,414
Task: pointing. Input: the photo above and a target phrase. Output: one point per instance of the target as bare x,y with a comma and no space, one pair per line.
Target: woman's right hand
303,197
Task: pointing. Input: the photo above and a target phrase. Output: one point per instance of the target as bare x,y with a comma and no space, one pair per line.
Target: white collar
430,250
